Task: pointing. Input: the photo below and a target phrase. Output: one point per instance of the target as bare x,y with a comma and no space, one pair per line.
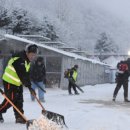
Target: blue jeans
40,92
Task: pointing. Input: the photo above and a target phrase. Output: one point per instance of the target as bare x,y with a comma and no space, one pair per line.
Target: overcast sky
120,8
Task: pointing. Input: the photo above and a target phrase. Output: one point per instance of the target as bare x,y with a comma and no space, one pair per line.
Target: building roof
70,49
35,36
53,43
73,55
77,51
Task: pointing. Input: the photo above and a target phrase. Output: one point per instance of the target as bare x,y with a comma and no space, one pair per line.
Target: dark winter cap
75,66
31,48
40,59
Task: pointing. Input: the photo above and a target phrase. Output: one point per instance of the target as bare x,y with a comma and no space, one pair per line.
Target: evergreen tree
105,46
20,22
47,29
4,18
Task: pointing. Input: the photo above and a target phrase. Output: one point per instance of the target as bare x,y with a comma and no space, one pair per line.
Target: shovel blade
59,119
28,123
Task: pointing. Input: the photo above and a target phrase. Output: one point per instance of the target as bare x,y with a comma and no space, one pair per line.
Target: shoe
1,118
33,100
76,93
20,120
126,100
114,99
42,100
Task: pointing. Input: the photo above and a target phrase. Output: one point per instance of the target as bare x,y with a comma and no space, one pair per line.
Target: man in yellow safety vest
72,78
16,75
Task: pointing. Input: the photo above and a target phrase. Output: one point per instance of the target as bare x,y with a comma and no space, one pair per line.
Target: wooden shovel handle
43,109
14,107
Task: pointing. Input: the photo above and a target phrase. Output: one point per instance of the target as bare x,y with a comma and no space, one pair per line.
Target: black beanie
31,48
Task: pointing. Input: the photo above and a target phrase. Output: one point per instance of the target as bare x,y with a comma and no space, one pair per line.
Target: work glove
32,91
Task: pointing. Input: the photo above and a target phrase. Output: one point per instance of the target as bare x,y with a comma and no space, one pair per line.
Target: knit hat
31,48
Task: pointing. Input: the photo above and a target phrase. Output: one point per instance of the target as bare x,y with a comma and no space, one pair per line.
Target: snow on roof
67,48
54,49
78,51
34,36
52,42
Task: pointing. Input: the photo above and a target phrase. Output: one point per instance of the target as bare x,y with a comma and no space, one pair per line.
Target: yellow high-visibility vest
10,74
75,74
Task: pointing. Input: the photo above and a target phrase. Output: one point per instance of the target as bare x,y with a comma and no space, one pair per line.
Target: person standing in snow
38,78
122,76
128,63
16,75
72,78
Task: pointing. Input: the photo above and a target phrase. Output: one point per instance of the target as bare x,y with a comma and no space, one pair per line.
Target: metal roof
73,55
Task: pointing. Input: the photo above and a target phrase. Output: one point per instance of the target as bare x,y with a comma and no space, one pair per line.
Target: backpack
66,73
123,67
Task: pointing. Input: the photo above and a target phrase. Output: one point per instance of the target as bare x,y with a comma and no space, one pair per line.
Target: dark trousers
71,85
125,87
15,94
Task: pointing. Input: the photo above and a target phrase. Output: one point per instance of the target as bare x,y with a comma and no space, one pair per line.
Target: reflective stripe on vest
10,74
75,74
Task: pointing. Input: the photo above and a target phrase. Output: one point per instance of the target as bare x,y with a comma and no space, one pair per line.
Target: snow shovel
59,119
28,122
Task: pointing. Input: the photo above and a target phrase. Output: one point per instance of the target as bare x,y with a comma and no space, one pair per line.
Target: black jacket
128,63
71,73
38,72
19,66
122,76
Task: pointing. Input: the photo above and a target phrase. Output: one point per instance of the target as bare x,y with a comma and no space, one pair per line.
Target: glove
32,91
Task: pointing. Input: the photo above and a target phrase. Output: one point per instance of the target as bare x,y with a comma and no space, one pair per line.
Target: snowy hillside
78,22
92,110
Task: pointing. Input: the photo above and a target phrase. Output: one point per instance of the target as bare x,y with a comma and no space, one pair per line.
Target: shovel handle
43,109
1,91
39,87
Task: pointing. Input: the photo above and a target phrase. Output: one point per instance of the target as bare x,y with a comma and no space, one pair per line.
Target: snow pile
44,124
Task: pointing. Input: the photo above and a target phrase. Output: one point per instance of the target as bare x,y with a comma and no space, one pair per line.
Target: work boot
76,93
1,118
20,120
126,100
70,93
114,99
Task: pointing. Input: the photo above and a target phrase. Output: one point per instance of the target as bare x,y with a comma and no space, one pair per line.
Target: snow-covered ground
92,110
